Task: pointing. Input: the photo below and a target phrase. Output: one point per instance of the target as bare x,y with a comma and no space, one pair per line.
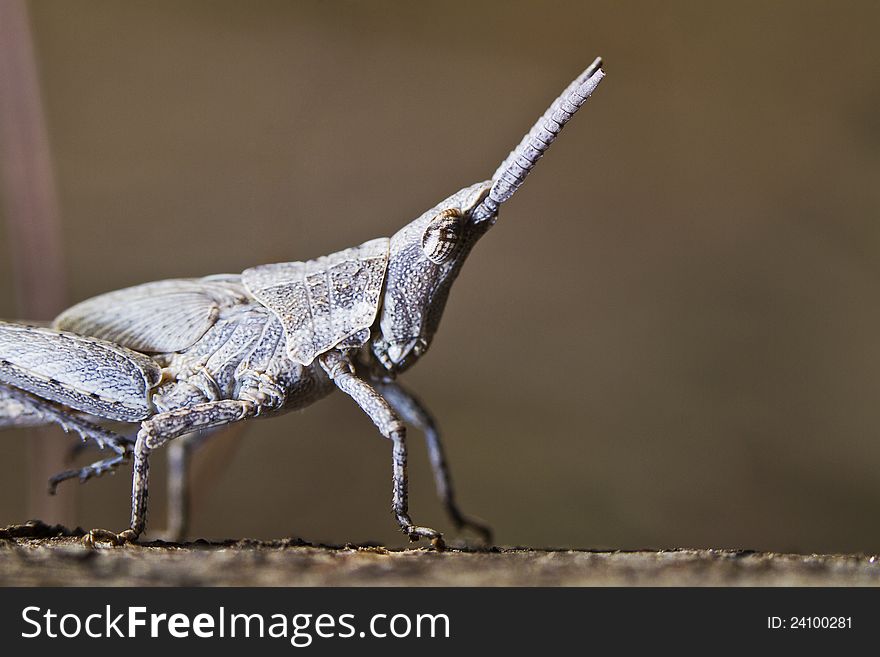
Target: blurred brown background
669,339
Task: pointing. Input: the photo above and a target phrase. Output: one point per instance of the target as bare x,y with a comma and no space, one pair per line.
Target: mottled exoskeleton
183,356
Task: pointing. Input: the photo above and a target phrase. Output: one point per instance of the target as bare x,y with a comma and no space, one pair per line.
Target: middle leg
154,433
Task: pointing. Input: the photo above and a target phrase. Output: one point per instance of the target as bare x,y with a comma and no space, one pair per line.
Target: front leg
341,371
414,412
154,433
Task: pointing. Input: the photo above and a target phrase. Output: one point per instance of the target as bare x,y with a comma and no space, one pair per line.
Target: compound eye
442,236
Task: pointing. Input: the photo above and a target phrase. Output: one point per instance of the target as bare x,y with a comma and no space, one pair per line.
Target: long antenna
513,170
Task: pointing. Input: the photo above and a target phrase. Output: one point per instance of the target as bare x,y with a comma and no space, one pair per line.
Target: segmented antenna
513,171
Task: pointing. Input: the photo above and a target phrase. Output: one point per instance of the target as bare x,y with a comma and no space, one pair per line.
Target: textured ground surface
52,556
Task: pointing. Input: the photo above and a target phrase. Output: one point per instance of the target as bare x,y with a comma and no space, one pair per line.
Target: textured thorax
323,303
242,356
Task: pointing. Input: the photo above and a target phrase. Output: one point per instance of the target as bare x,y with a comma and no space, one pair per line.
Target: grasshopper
183,356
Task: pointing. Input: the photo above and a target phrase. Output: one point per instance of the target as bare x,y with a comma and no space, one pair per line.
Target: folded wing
159,317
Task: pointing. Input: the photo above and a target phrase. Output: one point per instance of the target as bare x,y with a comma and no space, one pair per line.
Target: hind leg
22,409
17,411
95,469
30,410
19,408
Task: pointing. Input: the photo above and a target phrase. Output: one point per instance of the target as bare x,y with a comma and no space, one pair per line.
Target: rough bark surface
42,555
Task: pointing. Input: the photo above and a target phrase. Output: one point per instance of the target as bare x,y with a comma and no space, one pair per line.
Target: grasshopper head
427,254
425,257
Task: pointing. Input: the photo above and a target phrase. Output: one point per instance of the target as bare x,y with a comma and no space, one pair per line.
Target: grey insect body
191,355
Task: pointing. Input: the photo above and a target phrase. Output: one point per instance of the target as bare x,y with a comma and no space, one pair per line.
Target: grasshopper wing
323,303
160,317
84,373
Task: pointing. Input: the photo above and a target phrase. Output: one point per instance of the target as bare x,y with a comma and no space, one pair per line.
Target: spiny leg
34,410
19,408
383,416
154,433
121,444
95,469
30,410
411,410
